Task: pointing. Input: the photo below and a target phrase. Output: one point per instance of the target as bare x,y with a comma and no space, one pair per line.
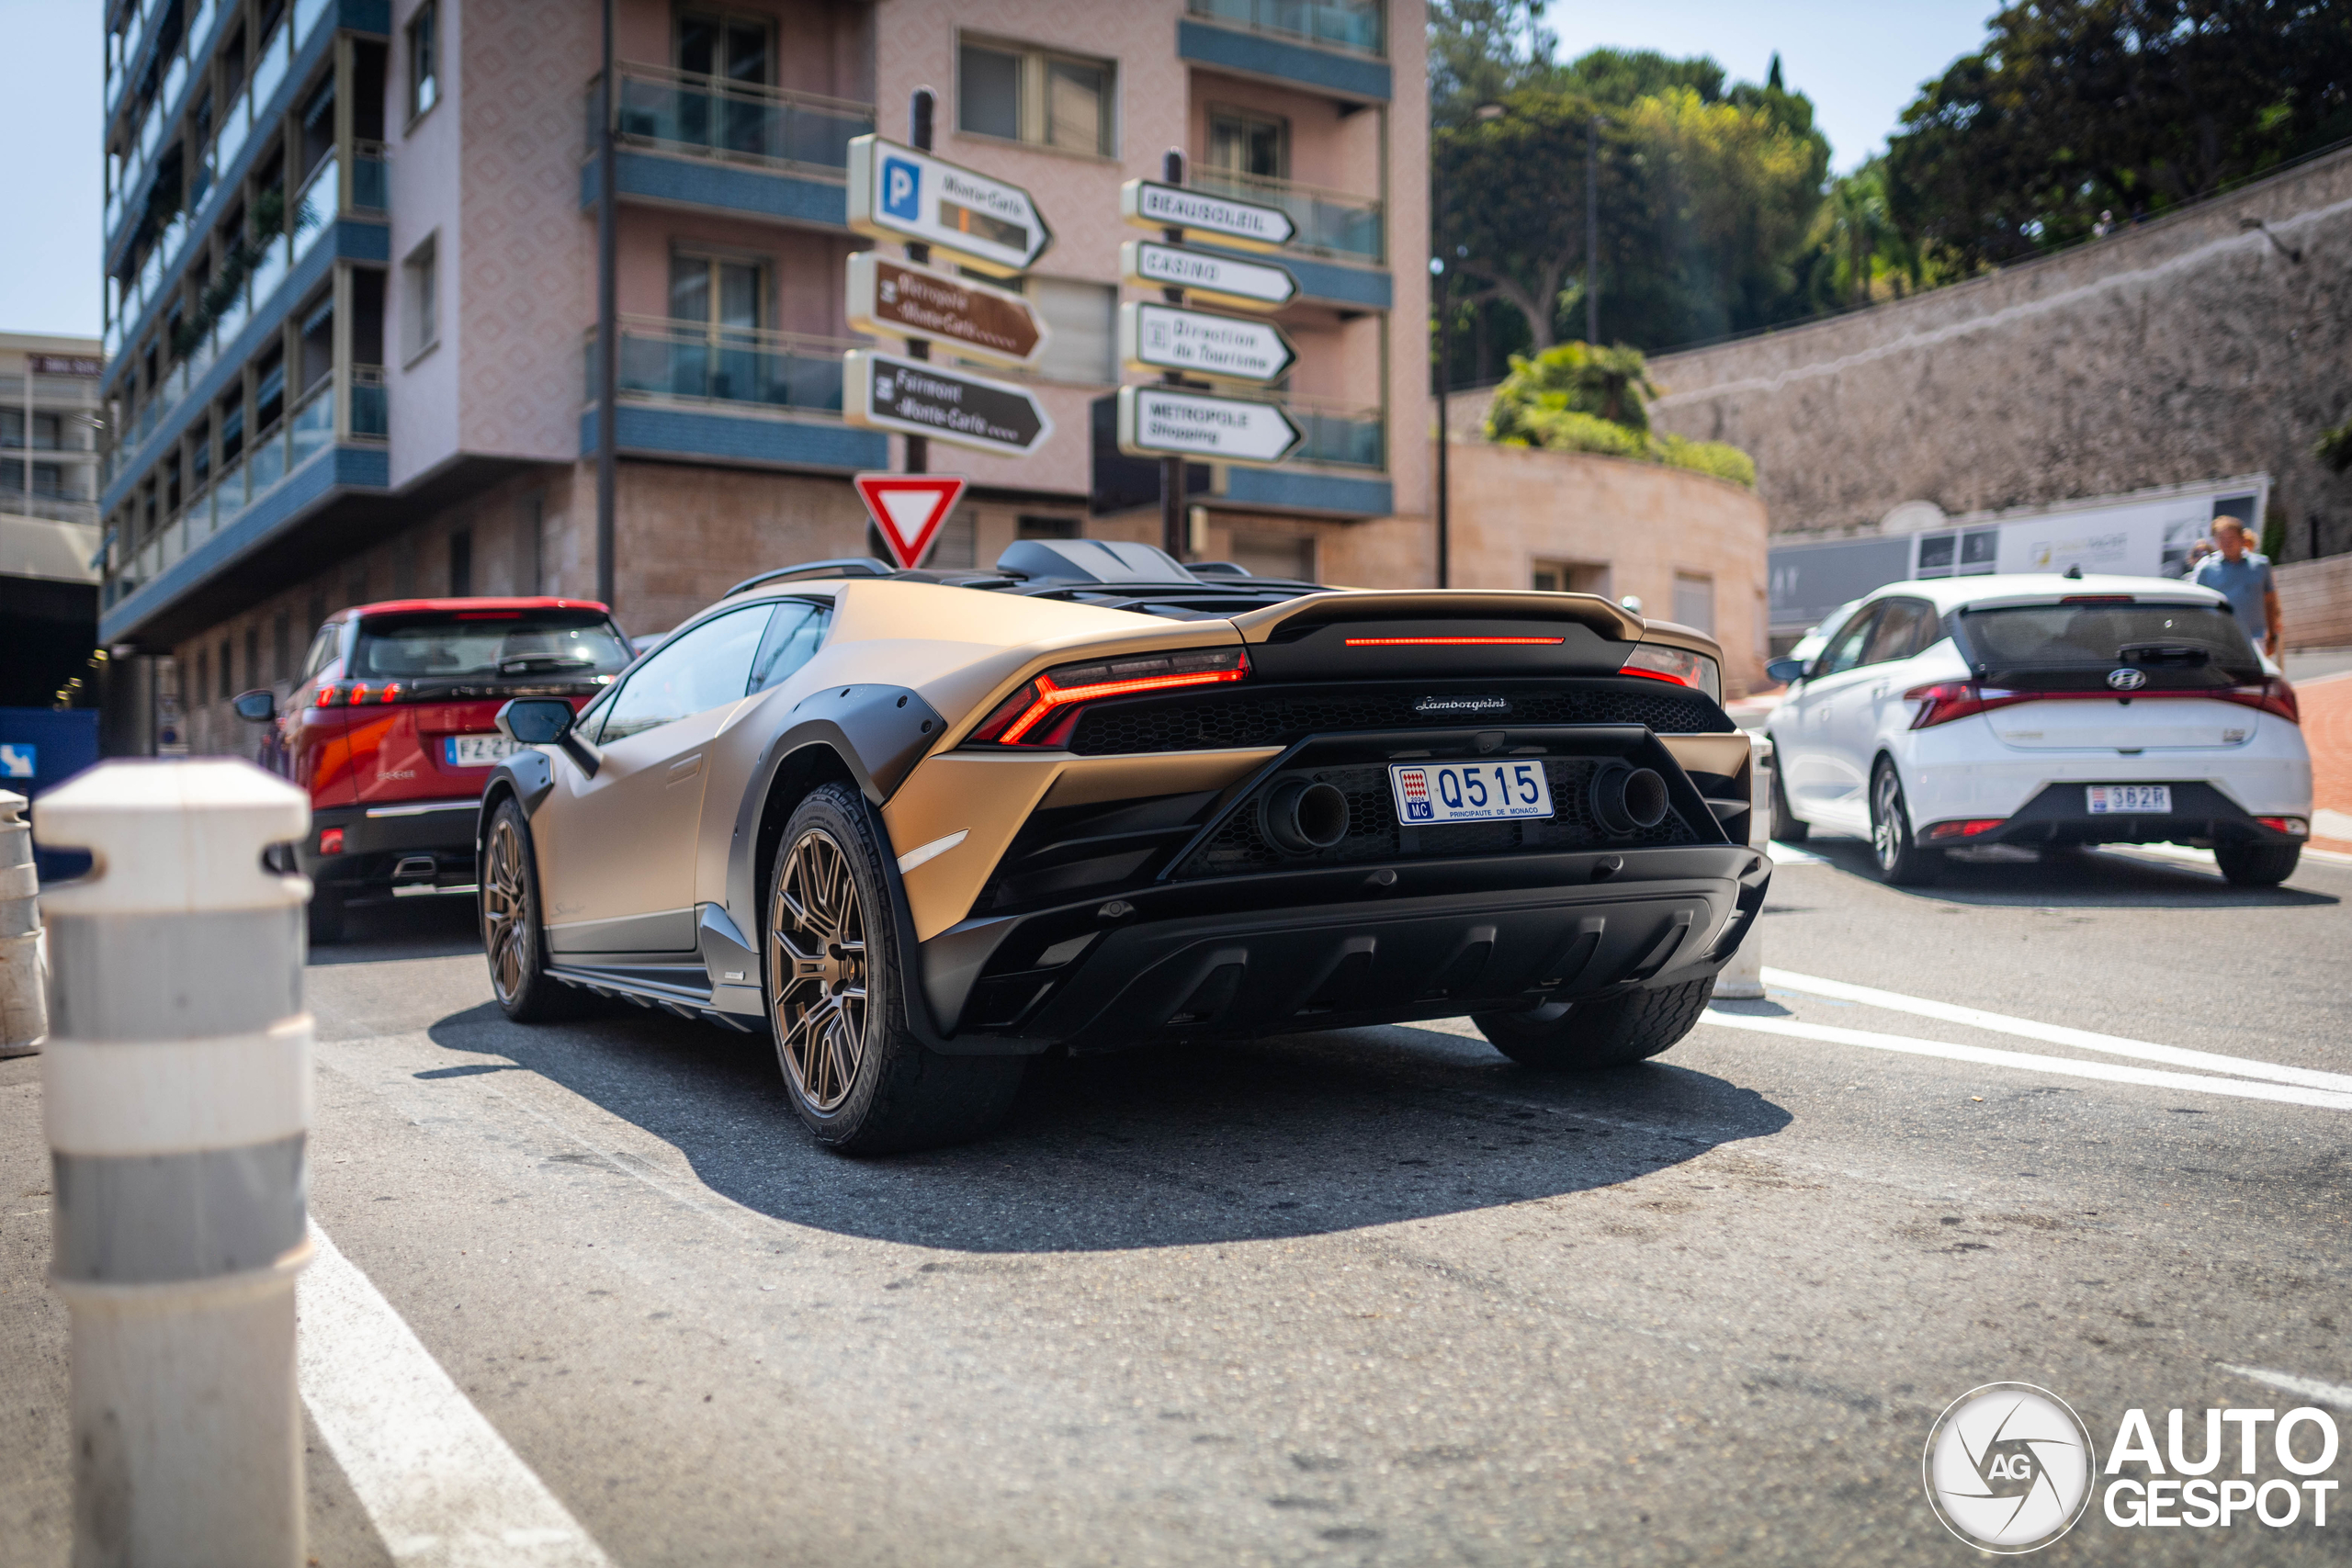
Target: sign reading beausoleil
896,299
1212,279
914,397
897,193
1157,205
1168,337
1161,422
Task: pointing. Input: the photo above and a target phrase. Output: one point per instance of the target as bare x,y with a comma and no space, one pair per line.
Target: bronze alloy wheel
505,911
817,954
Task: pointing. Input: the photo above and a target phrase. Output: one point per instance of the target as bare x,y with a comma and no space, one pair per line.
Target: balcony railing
1337,24
709,117
664,361
1329,222
371,189
54,508
370,408
1338,433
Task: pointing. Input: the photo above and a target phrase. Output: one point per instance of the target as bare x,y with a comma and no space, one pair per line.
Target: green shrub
1564,430
1717,457
1576,398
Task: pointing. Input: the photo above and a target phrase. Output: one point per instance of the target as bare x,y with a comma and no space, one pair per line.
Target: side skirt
684,989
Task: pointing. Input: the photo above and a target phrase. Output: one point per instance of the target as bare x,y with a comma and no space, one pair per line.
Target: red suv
391,732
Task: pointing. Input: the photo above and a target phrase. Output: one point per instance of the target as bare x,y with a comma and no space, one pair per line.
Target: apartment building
50,453
352,273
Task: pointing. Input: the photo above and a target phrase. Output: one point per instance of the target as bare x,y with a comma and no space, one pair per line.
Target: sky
1859,61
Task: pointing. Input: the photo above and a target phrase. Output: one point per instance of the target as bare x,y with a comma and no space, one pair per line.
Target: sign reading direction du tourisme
1168,337
898,193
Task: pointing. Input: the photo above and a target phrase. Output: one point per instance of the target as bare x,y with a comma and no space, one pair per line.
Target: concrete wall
2183,350
2315,601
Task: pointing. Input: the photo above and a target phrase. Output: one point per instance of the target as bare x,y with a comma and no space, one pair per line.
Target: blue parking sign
19,760
902,190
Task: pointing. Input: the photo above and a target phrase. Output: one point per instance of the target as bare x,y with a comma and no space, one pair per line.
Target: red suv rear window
506,644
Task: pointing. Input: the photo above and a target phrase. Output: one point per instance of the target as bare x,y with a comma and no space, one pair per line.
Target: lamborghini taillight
1044,711
1658,662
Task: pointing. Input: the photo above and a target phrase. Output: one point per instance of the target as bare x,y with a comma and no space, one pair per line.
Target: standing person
2242,577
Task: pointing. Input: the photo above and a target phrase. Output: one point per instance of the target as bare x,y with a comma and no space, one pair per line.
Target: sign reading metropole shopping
898,193
898,299
914,397
1168,337
1153,205
1168,422
1213,279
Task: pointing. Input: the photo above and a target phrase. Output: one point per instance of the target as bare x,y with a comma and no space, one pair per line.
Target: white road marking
441,1485
1789,854
2334,1393
2064,1066
2058,1034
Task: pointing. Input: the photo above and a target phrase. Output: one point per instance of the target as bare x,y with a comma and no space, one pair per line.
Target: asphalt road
1374,1297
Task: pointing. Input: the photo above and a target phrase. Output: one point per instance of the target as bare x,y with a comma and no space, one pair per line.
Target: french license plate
478,750
1468,792
2108,800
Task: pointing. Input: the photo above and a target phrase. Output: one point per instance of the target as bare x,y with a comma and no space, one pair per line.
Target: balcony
1353,25
1339,434
706,141
763,397
1329,222
1331,46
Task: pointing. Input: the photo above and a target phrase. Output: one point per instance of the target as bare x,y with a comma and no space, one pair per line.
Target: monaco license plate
2108,800
478,750
1468,792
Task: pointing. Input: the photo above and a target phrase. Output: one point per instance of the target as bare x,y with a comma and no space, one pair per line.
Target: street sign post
898,299
1210,278
1227,348
1153,205
1163,422
882,391
898,193
908,509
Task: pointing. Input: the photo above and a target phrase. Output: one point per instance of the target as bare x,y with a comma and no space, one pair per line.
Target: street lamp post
1445,381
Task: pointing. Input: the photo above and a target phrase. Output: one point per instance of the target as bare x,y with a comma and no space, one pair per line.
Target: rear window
487,644
2156,637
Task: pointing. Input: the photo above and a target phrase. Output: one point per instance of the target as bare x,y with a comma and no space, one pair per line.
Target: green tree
1580,398
2077,112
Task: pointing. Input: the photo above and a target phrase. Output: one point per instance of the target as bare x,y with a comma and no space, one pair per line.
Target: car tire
2257,865
325,918
513,940
1609,1033
1787,825
1901,861
861,1080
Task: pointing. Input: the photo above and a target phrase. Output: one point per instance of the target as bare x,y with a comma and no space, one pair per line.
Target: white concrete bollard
24,1013
1742,979
177,1082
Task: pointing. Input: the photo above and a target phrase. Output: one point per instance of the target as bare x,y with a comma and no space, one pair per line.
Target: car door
1858,710
793,636
616,856
1820,779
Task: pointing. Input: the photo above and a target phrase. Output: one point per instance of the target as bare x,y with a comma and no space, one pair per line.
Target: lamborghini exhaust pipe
1628,800
1303,817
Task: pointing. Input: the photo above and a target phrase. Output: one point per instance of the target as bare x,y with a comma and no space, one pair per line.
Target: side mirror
535,721
258,705
1785,670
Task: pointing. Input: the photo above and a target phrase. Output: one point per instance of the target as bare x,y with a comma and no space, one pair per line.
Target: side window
323,649
1845,651
1897,632
791,641
699,669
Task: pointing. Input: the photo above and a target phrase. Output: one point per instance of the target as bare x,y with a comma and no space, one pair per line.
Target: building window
1047,528
421,298
1694,601
1242,144
1569,577
253,655
424,59
461,564
1026,94
228,686
730,44
718,294
1084,319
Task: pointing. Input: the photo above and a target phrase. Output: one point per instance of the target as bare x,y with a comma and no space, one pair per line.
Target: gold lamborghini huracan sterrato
923,826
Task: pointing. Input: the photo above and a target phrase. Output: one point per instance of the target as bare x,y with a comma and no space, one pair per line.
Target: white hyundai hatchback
2043,711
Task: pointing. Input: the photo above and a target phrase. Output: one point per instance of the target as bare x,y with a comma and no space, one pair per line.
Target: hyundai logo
2127,680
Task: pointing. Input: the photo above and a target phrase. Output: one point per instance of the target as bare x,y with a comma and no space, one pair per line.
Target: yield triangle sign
908,508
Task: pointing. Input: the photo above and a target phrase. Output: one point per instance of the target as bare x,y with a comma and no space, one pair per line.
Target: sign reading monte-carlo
896,299
915,397
898,193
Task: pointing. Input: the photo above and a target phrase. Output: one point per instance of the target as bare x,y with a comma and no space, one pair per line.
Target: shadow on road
2090,879
441,926
1286,1138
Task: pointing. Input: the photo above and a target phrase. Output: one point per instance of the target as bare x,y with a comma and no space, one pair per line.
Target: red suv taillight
1949,700
1043,712
2273,696
360,693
